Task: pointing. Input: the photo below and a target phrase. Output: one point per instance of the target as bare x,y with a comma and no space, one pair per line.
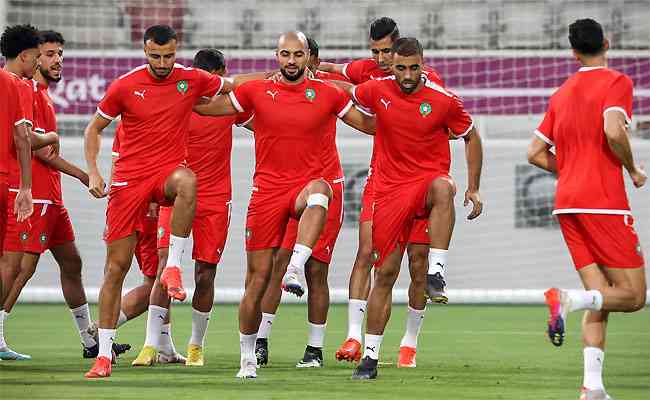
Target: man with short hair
155,102
587,121
209,149
383,33
318,264
292,117
50,228
414,118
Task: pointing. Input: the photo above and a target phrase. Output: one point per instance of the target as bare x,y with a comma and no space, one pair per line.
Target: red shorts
128,203
146,251
604,239
48,227
395,216
209,230
419,234
4,216
367,199
268,215
324,248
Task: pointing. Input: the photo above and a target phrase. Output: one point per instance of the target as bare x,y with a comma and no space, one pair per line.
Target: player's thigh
315,187
633,279
316,273
259,266
593,277
418,261
119,253
386,274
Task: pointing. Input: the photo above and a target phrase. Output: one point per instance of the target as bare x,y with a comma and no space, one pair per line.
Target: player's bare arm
541,156
619,142
331,67
92,144
474,156
38,140
47,156
218,105
23,207
347,87
360,121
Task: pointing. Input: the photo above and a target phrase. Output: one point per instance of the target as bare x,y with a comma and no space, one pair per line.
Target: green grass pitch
465,352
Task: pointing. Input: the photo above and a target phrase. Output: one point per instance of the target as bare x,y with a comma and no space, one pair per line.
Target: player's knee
205,277
639,301
185,182
443,191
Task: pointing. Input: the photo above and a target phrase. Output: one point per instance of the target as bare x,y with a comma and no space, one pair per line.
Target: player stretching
586,122
155,102
14,148
208,155
414,118
292,117
135,302
50,228
318,264
383,33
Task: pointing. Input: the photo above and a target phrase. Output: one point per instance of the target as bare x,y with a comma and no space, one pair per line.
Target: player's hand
639,177
55,147
477,204
276,77
153,210
23,206
96,186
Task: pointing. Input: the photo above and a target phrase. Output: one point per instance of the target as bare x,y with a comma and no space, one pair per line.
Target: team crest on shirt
24,236
249,233
310,94
182,86
425,109
375,255
43,238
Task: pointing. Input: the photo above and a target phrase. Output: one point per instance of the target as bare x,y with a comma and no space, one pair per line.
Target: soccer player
586,122
383,33
414,118
155,102
50,228
14,148
208,156
317,266
292,117
135,302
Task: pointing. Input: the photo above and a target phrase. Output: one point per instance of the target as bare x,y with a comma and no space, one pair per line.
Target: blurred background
503,57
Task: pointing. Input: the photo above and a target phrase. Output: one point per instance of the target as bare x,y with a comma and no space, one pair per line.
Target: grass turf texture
465,352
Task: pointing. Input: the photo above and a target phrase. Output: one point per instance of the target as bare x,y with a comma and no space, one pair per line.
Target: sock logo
441,266
161,317
362,310
371,348
79,317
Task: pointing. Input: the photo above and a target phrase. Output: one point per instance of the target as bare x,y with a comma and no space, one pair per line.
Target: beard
292,78
48,77
408,89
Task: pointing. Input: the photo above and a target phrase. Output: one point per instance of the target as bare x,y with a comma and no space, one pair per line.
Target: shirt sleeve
241,97
619,97
116,140
15,108
545,129
341,101
458,120
353,71
111,106
363,95
241,119
26,94
209,84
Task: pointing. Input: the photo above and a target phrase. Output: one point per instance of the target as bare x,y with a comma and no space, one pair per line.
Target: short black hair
407,46
382,27
50,37
15,39
313,46
209,60
160,34
586,37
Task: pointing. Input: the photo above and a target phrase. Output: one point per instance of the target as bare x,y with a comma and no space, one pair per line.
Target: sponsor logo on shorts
43,238
161,232
310,94
375,255
639,250
249,233
425,109
182,87
24,236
